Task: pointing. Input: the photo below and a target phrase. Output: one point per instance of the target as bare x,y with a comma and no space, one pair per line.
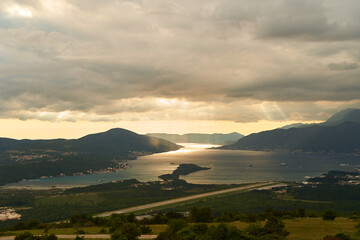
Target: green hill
27,159
340,134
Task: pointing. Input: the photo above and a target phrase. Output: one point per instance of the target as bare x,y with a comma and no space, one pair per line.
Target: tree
32,223
224,231
300,212
116,221
176,224
145,229
176,229
354,215
254,229
172,214
80,218
131,218
50,237
160,218
201,214
118,236
271,237
329,215
200,228
275,226
225,217
130,230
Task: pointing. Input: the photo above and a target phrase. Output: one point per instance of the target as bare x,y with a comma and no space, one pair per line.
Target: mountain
120,141
113,143
216,138
339,134
106,151
347,115
297,125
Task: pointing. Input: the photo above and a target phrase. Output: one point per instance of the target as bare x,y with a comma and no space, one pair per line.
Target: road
86,236
158,204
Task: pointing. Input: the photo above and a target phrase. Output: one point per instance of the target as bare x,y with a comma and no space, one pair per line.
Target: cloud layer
233,60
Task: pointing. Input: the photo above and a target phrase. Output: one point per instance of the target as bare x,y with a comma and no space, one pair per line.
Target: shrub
145,229
80,231
25,236
329,215
343,236
176,224
354,215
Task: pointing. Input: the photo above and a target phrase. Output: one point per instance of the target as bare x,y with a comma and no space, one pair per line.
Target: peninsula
183,169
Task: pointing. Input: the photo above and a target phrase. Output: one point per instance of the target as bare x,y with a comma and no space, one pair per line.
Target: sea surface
227,166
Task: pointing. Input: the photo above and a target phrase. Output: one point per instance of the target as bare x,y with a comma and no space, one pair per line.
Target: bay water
227,166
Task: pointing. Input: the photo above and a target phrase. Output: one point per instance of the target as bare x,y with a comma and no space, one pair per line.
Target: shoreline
37,187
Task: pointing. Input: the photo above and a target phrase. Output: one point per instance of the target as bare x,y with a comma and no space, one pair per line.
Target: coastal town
118,165
337,178
38,156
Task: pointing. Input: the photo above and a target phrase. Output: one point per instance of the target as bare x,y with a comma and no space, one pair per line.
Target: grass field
314,228
257,201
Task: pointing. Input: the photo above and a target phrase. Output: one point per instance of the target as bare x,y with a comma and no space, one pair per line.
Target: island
182,169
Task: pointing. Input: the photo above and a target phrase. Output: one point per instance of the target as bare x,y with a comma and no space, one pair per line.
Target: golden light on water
192,147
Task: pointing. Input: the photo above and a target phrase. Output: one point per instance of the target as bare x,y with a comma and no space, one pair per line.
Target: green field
56,204
258,201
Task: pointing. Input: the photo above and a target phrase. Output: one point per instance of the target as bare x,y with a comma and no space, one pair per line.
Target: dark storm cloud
302,88
109,60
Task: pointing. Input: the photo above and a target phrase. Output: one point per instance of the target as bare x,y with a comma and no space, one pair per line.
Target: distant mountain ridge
297,125
215,138
339,134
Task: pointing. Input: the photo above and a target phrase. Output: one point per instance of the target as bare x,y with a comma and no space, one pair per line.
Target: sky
69,68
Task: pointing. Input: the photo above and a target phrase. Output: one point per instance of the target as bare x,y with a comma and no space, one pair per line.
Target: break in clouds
237,60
